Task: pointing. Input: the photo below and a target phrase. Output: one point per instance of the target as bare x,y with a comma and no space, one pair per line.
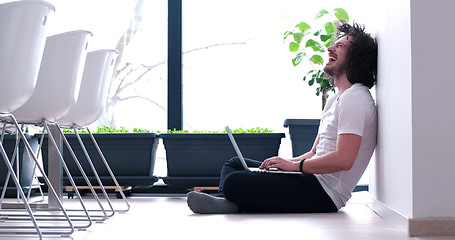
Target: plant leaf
298,37
340,13
286,34
316,59
310,43
294,47
325,83
324,38
321,13
303,26
328,43
329,28
311,82
298,59
315,45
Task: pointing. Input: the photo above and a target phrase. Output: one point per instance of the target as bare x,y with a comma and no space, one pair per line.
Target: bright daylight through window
236,68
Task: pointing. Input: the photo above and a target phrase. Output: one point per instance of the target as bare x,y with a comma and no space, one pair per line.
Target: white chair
97,75
22,27
55,95
91,102
59,79
22,41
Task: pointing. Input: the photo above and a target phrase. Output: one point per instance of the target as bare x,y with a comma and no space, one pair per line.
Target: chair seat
59,78
22,25
97,75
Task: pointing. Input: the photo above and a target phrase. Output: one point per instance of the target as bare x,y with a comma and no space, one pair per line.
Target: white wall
433,112
391,181
413,171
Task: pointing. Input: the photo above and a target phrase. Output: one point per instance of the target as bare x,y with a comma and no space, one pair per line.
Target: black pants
267,192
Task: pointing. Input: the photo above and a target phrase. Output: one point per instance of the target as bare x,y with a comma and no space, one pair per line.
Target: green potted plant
196,158
131,155
310,45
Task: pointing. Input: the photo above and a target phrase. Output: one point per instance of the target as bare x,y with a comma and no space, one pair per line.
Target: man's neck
341,83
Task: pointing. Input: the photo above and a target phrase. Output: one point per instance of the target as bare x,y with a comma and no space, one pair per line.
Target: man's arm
342,159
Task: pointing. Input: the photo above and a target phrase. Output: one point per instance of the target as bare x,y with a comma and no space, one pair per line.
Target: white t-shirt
354,112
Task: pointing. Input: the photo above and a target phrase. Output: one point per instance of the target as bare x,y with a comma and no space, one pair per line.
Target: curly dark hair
362,54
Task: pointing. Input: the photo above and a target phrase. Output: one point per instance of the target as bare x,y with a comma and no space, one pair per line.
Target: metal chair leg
68,146
21,192
95,173
13,159
8,175
65,168
106,164
24,199
34,177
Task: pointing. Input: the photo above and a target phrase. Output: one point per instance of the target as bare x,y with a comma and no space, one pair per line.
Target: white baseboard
414,227
389,215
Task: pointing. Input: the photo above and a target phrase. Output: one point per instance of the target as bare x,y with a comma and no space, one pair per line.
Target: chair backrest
59,78
22,38
97,75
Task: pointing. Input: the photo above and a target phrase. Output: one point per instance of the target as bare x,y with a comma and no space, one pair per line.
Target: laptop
242,160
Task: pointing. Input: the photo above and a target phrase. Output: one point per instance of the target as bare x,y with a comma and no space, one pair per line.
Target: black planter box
131,157
196,159
302,132
25,165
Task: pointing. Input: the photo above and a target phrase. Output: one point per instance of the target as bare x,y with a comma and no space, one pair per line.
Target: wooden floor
168,217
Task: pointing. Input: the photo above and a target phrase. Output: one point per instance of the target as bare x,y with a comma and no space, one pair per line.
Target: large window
138,29
237,70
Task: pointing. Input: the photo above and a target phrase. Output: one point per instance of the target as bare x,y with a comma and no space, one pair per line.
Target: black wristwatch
301,164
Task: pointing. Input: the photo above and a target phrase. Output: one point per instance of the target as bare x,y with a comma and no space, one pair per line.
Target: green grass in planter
238,130
107,129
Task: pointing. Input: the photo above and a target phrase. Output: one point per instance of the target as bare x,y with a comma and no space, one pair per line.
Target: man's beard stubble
335,71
